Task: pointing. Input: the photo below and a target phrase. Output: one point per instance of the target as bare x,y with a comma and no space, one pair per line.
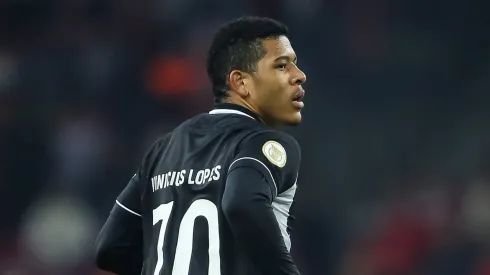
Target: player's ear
238,80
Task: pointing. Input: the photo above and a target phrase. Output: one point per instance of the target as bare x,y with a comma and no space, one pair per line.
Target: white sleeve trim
272,177
127,209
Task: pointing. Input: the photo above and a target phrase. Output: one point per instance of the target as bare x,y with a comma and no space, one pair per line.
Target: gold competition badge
275,153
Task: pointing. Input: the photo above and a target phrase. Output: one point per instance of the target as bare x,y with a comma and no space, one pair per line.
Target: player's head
251,62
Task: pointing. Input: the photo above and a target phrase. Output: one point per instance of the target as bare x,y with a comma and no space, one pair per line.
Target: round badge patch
275,153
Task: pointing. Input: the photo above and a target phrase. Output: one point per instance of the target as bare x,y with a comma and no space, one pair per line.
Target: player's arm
120,242
257,175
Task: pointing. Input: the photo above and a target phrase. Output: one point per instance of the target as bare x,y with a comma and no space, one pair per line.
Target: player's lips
298,99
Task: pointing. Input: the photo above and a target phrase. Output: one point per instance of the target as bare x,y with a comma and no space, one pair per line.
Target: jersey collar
230,108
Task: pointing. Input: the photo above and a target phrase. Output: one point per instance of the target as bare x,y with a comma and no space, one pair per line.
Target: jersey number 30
204,208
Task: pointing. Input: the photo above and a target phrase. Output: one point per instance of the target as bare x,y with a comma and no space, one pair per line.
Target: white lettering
199,177
160,181
207,172
180,178
172,178
190,177
175,178
216,175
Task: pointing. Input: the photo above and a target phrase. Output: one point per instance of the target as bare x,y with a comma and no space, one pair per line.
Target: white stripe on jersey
127,209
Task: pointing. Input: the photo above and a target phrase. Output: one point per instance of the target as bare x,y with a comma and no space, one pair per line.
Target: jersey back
185,232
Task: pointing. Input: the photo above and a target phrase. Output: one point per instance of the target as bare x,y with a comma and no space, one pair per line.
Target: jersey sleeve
249,213
130,198
120,241
275,155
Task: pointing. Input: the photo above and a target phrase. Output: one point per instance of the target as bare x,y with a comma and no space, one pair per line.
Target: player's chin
294,118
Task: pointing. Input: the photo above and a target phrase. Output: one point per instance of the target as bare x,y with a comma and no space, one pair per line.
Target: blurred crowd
395,175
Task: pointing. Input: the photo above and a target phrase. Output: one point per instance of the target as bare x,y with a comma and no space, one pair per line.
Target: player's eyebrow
286,58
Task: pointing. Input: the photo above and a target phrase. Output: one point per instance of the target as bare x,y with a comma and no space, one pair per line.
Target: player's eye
281,67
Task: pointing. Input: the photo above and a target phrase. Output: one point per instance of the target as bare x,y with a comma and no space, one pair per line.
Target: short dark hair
238,45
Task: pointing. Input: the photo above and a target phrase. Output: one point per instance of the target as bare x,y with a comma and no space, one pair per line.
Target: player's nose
299,77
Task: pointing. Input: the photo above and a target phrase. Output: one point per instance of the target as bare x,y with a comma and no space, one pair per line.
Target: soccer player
213,196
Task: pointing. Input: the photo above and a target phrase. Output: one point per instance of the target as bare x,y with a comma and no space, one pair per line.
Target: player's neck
247,105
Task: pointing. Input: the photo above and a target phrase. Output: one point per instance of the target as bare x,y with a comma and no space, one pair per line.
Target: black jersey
192,223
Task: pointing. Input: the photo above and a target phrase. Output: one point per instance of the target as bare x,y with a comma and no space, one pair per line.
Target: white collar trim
229,111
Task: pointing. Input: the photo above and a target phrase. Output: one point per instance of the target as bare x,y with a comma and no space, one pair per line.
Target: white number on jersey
201,207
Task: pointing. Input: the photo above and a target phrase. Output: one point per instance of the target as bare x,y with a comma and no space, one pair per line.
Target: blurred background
395,176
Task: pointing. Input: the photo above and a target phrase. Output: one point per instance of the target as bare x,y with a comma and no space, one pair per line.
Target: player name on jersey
190,176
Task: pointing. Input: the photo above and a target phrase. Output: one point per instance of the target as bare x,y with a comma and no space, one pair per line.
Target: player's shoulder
273,137
273,152
272,146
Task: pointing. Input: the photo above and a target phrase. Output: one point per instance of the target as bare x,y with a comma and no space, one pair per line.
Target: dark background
395,178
